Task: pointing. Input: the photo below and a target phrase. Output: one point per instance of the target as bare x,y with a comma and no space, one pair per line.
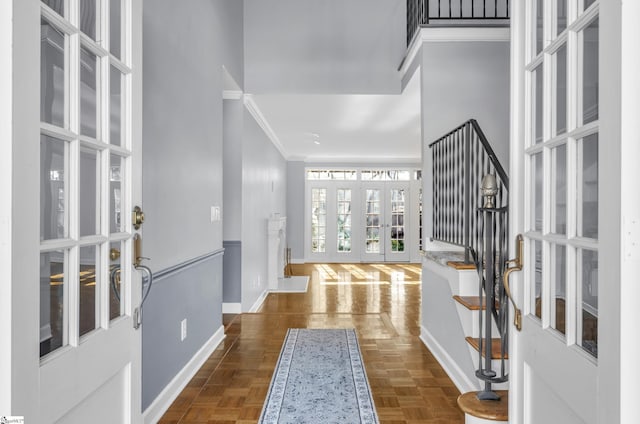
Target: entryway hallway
381,301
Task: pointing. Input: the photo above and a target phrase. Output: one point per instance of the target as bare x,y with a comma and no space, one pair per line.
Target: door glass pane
537,297
588,271
536,195
115,27
559,178
539,25
344,220
53,188
590,73
89,193
397,220
562,15
115,289
318,219
559,287
116,170
87,287
538,98
561,90
53,86
57,5
372,219
588,189
115,103
53,302
588,3
88,93
88,17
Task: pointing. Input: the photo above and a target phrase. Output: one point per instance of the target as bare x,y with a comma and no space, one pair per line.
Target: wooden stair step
461,265
494,410
495,347
470,302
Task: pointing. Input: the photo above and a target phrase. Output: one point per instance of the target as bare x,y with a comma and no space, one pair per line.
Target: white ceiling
349,128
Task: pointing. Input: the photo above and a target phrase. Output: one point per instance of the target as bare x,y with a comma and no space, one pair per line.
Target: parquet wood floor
381,301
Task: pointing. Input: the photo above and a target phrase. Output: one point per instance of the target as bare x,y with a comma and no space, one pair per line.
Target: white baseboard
159,406
297,261
259,302
232,308
459,378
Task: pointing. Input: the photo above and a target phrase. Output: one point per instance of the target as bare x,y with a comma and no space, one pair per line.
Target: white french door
555,205
84,97
385,225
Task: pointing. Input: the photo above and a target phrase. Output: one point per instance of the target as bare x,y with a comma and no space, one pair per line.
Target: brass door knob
138,217
114,254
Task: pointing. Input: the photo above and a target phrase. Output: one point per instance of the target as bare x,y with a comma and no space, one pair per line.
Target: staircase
470,215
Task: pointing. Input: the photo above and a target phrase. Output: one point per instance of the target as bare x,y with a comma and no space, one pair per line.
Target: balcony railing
425,12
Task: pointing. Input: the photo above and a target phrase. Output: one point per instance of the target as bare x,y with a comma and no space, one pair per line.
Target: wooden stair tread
495,347
494,410
470,302
461,265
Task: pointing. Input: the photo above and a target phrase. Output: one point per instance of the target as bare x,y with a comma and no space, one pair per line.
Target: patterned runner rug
319,378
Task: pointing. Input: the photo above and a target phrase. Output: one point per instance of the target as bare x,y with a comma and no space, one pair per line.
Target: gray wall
464,80
232,153
232,272
182,174
295,209
329,46
264,172
192,293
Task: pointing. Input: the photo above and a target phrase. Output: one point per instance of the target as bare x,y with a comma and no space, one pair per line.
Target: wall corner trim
164,400
259,302
459,378
231,308
255,111
232,94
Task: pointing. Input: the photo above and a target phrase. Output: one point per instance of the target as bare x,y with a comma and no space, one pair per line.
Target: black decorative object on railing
461,159
424,12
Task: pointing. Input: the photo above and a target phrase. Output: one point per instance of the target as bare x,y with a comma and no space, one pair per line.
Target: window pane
561,90
115,102
372,242
53,87
89,193
537,297
559,158
588,195
536,195
397,220
116,170
588,271
559,287
88,93
562,15
53,188
588,3
318,219
539,25
87,287
590,73
115,305
115,27
538,98
57,5
53,302
88,17
344,220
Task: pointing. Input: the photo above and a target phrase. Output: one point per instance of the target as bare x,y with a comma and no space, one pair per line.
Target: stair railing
425,12
461,158
470,194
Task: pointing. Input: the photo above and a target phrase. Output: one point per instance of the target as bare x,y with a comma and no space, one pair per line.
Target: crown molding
232,94
254,110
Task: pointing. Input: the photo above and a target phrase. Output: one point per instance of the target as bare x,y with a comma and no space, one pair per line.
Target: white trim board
459,378
259,301
251,106
161,404
231,308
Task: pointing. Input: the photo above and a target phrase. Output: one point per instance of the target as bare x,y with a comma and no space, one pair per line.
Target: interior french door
89,182
385,224
554,204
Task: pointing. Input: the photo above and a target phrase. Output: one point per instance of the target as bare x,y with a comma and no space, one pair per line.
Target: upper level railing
425,12
461,159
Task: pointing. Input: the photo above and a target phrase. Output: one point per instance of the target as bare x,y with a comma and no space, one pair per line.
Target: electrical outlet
183,329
